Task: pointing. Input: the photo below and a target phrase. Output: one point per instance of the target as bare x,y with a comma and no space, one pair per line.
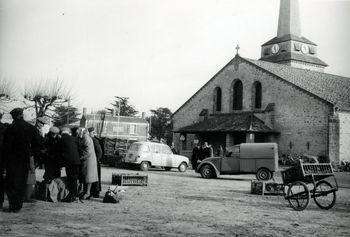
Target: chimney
114,112
143,115
84,111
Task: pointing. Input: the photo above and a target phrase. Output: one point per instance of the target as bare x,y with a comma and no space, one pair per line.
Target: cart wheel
298,195
324,195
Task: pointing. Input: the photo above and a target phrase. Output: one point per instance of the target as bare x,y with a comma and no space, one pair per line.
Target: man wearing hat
67,146
52,159
2,163
21,141
96,187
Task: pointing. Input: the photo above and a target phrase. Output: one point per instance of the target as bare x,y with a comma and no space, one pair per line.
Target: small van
258,158
151,154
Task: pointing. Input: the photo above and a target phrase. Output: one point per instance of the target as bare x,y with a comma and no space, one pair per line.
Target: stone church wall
344,136
301,118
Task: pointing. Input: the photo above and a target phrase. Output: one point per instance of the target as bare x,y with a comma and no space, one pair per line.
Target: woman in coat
88,160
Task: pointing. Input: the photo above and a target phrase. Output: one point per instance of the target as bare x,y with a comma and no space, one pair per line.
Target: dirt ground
181,204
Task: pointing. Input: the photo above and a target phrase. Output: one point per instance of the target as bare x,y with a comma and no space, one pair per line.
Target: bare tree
46,96
6,89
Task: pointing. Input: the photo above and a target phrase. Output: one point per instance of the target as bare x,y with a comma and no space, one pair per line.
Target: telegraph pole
68,111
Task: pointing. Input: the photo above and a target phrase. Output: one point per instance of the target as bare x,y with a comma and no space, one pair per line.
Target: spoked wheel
324,195
298,195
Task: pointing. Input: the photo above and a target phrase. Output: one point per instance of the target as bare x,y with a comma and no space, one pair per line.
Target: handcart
297,179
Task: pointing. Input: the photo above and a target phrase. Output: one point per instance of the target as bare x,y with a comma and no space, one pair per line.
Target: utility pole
118,119
68,111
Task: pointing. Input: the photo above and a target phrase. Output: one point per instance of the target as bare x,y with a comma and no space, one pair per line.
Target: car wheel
167,168
263,174
182,167
207,172
144,166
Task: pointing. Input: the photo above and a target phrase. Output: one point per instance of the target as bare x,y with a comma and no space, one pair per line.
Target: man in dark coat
2,167
195,157
68,148
21,141
207,151
96,187
52,161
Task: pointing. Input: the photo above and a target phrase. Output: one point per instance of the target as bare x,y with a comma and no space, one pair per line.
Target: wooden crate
129,179
267,188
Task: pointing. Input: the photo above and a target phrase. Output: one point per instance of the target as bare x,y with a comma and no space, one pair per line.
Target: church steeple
289,18
290,47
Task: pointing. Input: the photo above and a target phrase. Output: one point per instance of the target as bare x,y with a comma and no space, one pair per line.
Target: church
284,97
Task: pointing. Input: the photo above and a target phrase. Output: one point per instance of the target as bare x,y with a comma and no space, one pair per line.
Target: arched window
257,95
217,99
237,102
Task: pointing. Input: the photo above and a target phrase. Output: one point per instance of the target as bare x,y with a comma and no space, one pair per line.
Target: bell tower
289,47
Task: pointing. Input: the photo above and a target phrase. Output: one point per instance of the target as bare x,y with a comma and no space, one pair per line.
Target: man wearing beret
21,141
96,187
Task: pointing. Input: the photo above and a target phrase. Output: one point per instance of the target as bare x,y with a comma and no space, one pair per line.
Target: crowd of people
199,153
22,148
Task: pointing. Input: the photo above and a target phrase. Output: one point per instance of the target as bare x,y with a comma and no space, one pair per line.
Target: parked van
150,154
258,158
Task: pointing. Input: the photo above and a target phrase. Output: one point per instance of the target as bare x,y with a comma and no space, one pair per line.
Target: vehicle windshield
138,147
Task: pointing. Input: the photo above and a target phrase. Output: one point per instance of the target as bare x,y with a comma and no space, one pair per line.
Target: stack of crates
267,188
129,179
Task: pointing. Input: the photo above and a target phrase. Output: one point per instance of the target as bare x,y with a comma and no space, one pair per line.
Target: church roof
235,122
287,38
294,56
331,88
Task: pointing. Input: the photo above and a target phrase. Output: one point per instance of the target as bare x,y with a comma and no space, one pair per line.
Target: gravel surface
181,204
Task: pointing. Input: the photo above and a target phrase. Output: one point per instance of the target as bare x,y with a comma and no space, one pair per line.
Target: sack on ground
111,196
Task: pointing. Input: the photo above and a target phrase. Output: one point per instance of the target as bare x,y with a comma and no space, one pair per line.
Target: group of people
22,148
199,153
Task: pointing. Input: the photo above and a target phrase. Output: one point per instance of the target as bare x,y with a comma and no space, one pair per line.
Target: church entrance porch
224,130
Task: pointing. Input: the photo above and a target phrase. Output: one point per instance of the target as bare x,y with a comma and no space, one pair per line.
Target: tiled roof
236,122
289,37
332,88
293,56
122,119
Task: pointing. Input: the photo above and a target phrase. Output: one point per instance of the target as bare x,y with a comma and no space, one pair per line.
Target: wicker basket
129,179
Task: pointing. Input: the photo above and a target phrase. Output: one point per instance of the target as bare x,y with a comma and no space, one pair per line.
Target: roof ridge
295,68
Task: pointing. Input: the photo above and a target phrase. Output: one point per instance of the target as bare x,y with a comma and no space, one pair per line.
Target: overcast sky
157,52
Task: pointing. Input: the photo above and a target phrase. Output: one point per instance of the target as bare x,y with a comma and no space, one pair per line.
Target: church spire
289,18
289,47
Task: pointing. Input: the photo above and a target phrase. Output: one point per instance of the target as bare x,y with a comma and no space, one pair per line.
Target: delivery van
258,158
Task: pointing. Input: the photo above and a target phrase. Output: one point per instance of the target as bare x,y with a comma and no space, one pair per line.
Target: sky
156,52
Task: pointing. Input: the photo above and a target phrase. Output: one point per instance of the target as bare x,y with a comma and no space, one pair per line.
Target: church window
218,99
237,103
257,95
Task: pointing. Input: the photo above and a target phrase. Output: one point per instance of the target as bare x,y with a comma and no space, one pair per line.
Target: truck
257,158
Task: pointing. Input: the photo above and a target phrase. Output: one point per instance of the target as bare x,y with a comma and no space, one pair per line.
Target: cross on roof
237,48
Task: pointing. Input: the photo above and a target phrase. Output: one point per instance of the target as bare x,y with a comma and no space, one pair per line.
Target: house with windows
284,97
121,127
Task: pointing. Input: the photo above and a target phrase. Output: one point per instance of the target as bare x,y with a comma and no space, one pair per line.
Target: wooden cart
305,180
